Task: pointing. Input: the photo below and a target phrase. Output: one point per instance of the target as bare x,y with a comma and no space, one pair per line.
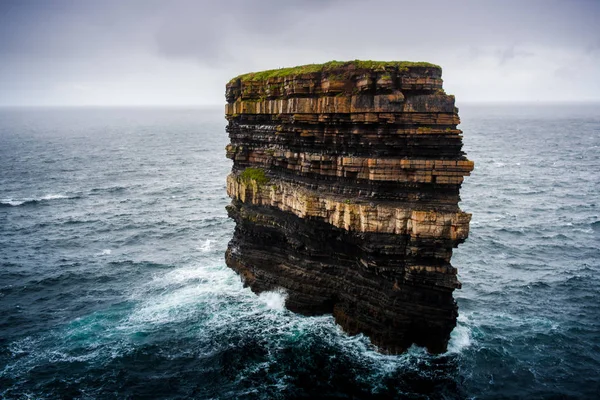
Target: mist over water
113,282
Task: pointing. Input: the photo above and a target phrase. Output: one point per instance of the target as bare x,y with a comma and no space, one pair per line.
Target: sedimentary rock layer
345,190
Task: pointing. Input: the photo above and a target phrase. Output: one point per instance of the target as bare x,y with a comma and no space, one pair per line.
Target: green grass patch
254,174
332,66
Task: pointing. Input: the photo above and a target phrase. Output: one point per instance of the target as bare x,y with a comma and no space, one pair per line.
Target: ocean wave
217,320
110,189
206,246
162,312
274,300
9,202
460,338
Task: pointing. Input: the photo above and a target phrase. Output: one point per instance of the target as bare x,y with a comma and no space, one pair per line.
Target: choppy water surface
113,282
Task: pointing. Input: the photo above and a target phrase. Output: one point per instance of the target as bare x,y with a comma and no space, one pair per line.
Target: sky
182,52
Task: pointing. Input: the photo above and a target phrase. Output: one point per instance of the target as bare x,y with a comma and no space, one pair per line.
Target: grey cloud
205,31
211,32
593,47
141,43
510,53
214,31
70,28
503,54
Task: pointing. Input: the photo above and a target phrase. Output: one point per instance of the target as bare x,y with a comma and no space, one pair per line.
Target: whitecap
11,202
274,300
460,338
54,197
183,275
176,306
31,200
583,230
176,295
206,246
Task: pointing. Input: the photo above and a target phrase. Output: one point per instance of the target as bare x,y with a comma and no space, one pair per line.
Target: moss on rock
333,66
254,174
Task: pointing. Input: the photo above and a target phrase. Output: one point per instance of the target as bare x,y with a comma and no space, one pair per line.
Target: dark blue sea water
113,283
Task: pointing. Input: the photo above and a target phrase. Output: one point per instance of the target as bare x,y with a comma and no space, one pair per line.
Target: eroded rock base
344,273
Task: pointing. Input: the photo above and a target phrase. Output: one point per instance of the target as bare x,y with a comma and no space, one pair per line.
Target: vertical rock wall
345,190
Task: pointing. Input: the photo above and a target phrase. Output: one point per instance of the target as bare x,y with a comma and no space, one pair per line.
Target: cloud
213,32
510,53
136,43
593,47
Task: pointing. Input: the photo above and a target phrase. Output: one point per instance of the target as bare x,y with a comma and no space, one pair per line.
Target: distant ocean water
113,282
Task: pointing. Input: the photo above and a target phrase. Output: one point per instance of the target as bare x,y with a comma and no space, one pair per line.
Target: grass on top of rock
333,66
254,174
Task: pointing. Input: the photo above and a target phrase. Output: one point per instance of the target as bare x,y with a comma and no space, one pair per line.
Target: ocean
113,283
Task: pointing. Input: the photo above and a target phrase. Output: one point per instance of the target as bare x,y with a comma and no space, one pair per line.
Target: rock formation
345,190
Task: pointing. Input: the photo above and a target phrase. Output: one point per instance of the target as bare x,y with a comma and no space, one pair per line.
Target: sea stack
345,190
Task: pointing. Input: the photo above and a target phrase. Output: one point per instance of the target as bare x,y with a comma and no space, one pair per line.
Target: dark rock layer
345,188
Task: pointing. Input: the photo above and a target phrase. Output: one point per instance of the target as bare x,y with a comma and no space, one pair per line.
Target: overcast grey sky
182,52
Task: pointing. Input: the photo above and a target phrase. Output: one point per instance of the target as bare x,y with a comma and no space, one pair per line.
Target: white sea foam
182,275
173,306
15,202
206,246
460,338
584,230
12,202
54,197
274,300
177,294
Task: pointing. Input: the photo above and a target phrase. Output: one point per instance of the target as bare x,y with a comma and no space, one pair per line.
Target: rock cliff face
345,188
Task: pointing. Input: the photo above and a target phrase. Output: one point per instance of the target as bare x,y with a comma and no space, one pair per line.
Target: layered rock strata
345,190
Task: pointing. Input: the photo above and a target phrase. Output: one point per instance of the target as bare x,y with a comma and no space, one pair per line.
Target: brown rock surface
345,188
